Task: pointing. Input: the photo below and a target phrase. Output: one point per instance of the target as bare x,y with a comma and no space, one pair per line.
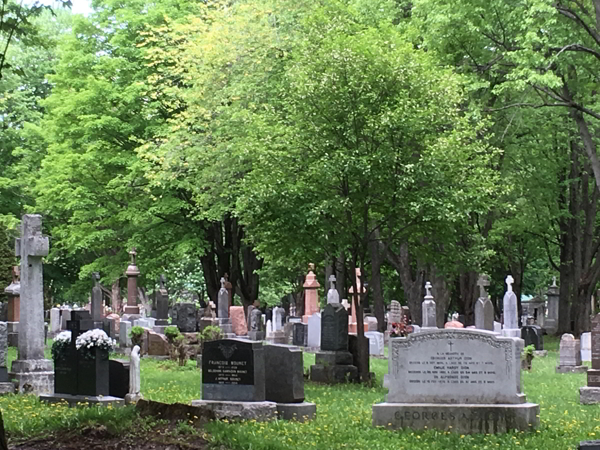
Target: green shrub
210,333
171,333
136,334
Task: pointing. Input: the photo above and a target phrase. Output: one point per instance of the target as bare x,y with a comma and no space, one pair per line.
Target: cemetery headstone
132,310
551,322
333,295
395,315
435,381
311,294
484,309
376,345
6,386
284,382
13,292
586,346
186,317
238,320
32,372
256,333
511,314
97,303
334,363
356,298
162,306
54,321
233,380
570,355
118,378
590,394
313,340
428,307
300,334
533,335
124,337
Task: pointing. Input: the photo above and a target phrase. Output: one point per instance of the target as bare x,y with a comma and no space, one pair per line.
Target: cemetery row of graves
246,380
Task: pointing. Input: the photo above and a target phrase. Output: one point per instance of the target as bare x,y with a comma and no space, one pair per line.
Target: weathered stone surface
124,329
79,400
454,366
376,346
428,309
233,369
586,346
484,314
333,358
311,294
300,334
54,321
570,354
175,412
236,411
533,335
333,374
284,374
300,412
158,345
452,324
7,388
571,369
395,315
223,301
238,320
462,419
314,331
334,328
186,317
589,395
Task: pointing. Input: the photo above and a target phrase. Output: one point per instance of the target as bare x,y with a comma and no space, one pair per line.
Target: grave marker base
234,411
300,412
571,369
78,400
33,375
462,419
589,395
7,388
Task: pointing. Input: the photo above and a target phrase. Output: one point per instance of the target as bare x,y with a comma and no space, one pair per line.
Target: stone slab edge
236,411
80,400
300,412
457,418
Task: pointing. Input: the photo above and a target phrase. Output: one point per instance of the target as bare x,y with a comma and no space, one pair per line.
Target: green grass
343,414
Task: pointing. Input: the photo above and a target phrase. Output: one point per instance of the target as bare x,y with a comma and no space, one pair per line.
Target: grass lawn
343,414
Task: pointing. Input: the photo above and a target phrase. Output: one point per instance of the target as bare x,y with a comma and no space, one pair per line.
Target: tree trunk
441,295
469,293
412,283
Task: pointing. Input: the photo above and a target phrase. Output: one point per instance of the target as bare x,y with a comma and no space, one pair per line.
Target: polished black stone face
228,362
284,374
533,335
300,334
334,328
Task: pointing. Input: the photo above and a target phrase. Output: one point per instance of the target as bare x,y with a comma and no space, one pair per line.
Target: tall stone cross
483,282
554,282
31,247
509,282
332,295
511,314
428,309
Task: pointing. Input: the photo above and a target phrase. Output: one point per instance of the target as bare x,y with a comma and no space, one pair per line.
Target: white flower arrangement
95,338
60,345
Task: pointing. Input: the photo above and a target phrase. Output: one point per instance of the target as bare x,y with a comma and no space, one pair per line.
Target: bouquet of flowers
94,339
401,329
60,345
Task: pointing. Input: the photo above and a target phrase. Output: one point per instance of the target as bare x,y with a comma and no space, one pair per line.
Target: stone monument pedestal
235,411
511,332
571,369
33,375
13,334
462,419
589,395
226,328
77,400
256,335
333,367
300,412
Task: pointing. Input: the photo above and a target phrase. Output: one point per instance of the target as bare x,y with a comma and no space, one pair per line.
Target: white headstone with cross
32,371
332,295
428,309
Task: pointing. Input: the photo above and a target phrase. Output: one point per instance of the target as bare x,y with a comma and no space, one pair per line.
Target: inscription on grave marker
227,363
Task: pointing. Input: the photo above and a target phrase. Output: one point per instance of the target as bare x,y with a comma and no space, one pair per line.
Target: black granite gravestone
334,328
186,317
300,334
284,374
532,335
589,445
118,377
233,369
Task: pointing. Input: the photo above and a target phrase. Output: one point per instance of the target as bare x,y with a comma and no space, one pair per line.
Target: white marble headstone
314,331
586,346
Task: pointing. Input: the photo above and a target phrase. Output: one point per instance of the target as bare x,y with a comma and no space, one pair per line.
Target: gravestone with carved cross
428,309
162,303
32,372
510,311
484,309
333,295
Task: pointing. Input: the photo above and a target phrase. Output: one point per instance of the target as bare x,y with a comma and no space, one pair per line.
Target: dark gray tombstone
300,334
233,370
284,374
118,377
186,317
589,445
532,335
334,328
97,306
